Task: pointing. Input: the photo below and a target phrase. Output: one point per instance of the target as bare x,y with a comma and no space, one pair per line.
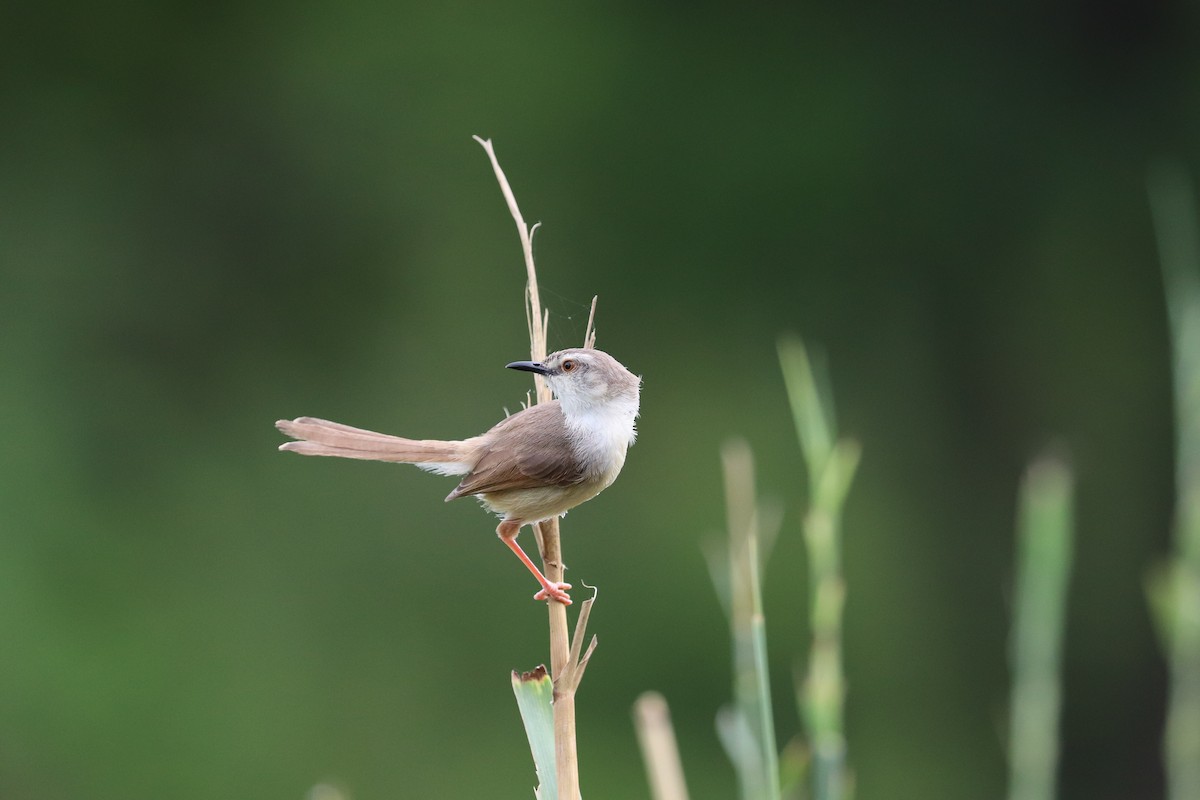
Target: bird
531,466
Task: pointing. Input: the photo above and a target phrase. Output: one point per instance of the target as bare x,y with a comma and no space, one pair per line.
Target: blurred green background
213,215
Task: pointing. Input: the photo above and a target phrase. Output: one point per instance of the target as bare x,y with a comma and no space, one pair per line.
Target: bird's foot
554,591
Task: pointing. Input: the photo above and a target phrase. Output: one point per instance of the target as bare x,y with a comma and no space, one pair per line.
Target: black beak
528,366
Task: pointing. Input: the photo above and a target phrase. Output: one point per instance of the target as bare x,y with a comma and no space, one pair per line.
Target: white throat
601,432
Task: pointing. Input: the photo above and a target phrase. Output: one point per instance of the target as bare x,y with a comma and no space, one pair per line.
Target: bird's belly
543,502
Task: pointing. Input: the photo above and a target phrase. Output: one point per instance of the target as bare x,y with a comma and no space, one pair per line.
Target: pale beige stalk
660,751
566,662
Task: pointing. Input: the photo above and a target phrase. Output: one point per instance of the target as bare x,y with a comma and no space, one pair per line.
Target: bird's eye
568,365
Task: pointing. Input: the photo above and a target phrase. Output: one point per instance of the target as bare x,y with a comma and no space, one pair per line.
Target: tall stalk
747,728
1176,593
1043,567
831,464
567,658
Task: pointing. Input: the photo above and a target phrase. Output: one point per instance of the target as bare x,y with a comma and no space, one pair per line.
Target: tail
319,437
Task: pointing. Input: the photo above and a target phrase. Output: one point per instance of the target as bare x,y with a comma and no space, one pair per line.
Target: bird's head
585,379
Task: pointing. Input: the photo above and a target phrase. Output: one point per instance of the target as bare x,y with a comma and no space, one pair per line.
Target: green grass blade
831,464
762,700
748,728
811,410
535,693
1043,568
1176,595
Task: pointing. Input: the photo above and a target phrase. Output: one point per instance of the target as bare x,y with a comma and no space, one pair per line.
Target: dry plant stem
589,337
566,758
660,751
566,665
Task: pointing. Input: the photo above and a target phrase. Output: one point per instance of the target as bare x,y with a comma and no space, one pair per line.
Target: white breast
601,435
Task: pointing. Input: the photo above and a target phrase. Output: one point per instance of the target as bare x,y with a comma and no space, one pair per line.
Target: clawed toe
555,591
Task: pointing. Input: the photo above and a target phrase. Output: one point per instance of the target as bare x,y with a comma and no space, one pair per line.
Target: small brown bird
532,466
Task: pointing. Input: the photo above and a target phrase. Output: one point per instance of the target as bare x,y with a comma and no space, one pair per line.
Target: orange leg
507,532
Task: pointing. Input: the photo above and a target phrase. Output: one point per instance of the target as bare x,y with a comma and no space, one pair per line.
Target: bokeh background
213,215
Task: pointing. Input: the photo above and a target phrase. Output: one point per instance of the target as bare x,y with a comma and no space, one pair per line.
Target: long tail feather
319,437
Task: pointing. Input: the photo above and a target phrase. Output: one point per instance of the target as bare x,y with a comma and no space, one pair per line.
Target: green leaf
535,696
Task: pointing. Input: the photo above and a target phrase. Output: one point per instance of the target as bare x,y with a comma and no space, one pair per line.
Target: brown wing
525,451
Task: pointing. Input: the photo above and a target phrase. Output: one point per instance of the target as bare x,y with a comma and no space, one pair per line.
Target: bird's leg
507,531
